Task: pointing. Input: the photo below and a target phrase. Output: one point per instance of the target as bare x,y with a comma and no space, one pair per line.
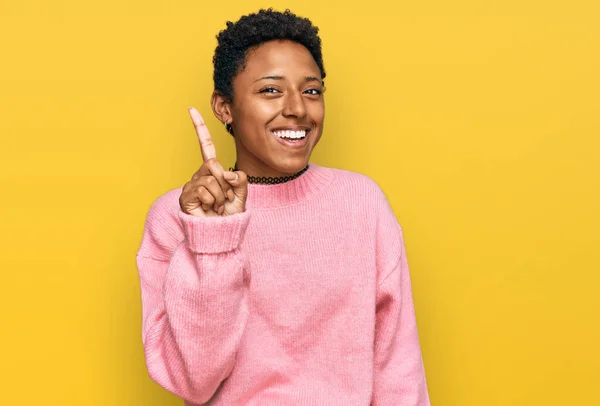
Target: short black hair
252,30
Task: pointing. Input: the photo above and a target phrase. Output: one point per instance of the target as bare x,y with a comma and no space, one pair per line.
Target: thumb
239,183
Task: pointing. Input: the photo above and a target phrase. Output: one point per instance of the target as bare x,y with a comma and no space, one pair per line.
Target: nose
294,105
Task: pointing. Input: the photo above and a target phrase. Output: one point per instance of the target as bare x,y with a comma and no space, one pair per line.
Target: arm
399,375
193,298
399,371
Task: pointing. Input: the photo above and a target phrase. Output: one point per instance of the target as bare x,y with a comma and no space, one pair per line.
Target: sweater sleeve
399,374
194,296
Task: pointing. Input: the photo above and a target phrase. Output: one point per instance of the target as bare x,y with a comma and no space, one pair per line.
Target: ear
221,107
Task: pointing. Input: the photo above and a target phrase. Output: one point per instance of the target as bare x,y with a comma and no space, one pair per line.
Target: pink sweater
303,299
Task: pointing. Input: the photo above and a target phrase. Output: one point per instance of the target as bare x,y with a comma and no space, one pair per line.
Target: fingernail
230,175
221,210
231,195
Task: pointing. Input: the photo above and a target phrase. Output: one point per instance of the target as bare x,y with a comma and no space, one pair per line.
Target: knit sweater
303,299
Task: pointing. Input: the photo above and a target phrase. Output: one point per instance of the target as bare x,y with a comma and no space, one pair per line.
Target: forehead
280,57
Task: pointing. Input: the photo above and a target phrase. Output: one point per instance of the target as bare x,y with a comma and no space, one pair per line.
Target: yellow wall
479,119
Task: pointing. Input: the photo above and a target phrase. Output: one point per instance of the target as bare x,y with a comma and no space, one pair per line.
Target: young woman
279,282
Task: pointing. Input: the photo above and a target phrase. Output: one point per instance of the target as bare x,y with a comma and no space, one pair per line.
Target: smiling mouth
289,135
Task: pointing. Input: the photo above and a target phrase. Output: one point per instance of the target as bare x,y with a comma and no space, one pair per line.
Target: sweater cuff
213,235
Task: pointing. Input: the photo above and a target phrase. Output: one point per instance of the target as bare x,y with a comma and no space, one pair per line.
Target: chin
292,167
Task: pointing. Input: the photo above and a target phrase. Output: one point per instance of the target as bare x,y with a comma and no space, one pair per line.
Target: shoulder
367,192
163,230
165,206
369,199
355,180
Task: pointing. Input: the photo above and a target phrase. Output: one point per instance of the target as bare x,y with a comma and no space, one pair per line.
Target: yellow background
479,119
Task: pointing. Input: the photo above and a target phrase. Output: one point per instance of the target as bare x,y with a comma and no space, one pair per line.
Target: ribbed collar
315,179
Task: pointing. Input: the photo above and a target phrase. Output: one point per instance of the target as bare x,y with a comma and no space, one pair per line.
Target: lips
292,137
289,134
291,128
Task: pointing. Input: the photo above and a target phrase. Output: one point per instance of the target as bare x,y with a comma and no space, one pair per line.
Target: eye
314,92
268,90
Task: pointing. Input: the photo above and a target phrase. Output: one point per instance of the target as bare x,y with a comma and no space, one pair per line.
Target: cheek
259,113
317,112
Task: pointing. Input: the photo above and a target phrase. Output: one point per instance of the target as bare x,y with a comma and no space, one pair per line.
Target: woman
279,282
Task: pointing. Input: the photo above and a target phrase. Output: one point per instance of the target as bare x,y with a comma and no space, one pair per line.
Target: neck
252,166
263,170
310,183
265,180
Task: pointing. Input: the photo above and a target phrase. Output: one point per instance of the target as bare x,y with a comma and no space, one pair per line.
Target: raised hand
212,191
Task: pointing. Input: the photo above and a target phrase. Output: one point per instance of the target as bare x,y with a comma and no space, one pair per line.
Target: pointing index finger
207,146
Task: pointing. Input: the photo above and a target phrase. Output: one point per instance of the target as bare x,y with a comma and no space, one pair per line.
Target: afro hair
252,30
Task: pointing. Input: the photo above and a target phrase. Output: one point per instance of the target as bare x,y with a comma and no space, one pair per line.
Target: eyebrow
276,77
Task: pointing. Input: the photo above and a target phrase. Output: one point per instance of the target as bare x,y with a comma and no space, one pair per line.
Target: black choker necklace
267,180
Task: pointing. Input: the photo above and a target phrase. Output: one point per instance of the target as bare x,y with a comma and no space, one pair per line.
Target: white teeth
290,134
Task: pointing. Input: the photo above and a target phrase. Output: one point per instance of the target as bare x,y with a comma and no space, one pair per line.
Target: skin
280,87
261,104
212,191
